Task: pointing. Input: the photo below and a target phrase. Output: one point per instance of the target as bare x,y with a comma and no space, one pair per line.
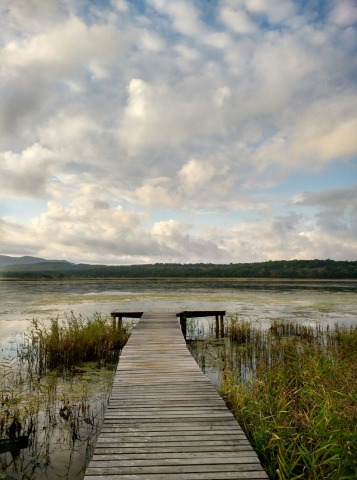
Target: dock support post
219,326
120,320
183,326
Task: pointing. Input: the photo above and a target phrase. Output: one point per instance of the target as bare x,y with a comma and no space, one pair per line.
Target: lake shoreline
186,279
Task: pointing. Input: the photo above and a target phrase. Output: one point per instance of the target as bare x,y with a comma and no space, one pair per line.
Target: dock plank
165,420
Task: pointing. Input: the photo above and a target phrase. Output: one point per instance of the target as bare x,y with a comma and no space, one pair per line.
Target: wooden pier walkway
165,420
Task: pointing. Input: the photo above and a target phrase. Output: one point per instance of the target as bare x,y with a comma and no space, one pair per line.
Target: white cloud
121,5
254,241
75,137
155,193
222,96
87,228
344,12
70,46
158,115
207,183
236,18
172,107
275,10
152,41
183,15
195,173
26,173
176,243
220,40
327,131
29,14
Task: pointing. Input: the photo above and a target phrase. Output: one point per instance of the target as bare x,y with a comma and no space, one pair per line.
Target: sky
145,131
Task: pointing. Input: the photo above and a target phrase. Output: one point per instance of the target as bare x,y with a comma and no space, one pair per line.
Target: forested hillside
294,269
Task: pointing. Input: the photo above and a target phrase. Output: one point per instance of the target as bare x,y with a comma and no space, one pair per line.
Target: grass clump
63,345
298,406
54,384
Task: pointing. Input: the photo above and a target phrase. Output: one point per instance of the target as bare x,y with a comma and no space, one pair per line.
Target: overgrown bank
54,387
293,390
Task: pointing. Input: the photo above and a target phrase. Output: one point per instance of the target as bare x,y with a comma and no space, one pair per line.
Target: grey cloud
331,198
249,109
25,174
21,106
335,220
14,239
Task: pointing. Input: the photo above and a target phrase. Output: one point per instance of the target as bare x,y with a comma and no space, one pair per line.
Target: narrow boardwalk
165,419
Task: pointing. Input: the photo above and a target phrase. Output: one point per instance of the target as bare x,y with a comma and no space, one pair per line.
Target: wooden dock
165,419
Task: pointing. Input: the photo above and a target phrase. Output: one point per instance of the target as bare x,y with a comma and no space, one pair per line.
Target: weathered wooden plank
165,419
173,438
180,476
170,452
158,423
162,458
170,435
119,461
165,469
154,427
190,445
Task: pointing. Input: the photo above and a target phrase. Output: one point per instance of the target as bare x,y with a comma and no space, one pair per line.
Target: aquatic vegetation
54,389
64,344
293,389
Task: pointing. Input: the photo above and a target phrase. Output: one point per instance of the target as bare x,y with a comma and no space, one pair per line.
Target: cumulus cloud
86,228
177,243
254,240
337,213
32,14
183,15
157,115
276,11
25,174
69,47
158,193
345,198
195,173
327,130
344,12
139,121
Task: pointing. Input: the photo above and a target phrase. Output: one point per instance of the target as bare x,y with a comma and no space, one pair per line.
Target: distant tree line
294,269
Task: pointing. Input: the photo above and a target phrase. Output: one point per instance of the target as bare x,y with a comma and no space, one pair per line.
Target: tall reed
46,352
48,394
63,345
298,404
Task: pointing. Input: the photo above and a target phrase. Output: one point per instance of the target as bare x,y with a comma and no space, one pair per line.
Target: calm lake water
311,302
54,452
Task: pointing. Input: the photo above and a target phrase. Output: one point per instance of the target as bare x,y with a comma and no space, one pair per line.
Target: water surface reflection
260,301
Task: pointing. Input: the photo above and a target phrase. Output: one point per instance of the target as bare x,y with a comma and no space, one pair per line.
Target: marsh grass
65,344
54,385
293,389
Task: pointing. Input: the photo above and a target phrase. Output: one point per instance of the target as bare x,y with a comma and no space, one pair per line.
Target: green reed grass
65,344
59,350
298,402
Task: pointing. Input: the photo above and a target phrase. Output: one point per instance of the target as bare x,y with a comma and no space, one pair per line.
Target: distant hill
6,260
282,269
